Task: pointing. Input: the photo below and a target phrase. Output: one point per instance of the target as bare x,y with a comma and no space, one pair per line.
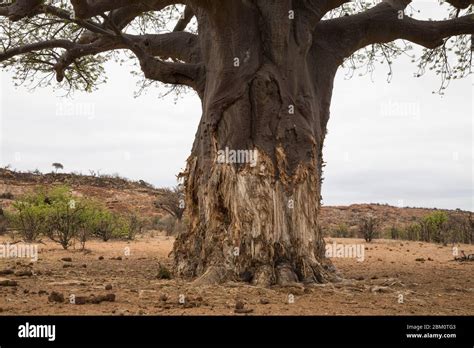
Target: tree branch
20,9
185,19
387,22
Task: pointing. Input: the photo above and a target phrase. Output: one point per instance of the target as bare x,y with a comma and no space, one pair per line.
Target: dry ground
435,286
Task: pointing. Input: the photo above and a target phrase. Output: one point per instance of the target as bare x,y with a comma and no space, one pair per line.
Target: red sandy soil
433,285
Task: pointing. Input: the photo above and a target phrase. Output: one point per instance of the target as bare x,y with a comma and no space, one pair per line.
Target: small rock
243,311
264,301
359,278
430,259
66,259
101,257
7,282
108,287
56,297
7,272
23,273
382,289
374,277
67,265
84,266
80,300
164,298
239,305
420,259
42,292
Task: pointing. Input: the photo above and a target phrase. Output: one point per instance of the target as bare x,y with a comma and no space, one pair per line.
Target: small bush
104,224
163,272
395,233
368,228
166,224
134,225
412,232
341,231
3,222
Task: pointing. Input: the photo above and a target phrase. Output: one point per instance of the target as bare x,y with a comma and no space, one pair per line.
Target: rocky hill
124,195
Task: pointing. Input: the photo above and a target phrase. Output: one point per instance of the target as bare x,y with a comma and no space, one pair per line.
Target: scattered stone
7,272
243,311
359,278
164,298
66,259
264,301
42,292
374,277
381,289
101,257
240,308
26,291
67,265
23,273
56,297
239,305
430,259
103,298
84,266
7,282
420,259
108,287
118,258
80,300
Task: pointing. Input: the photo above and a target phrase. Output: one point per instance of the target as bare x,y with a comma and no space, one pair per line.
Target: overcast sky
391,143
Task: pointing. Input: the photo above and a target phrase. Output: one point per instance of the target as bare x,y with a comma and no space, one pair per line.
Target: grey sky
391,143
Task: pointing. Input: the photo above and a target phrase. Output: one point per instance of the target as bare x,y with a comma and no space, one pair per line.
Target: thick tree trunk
257,221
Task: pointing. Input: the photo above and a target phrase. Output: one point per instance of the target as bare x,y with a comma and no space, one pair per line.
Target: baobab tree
264,71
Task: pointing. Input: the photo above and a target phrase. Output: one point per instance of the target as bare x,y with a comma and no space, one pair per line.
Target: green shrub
434,227
341,231
66,215
133,225
29,216
102,223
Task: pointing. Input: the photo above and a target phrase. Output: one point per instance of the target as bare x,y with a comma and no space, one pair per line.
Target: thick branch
185,19
38,46
20,9
90,8
168,72
384,23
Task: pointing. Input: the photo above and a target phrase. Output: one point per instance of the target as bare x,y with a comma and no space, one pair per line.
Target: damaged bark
258,223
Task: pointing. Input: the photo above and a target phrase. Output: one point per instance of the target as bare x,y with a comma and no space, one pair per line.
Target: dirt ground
396,277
